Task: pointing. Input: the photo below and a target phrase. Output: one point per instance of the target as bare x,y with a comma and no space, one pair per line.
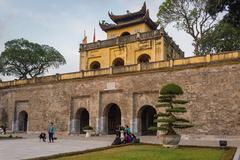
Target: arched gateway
82,117
112,114
22,121
145,120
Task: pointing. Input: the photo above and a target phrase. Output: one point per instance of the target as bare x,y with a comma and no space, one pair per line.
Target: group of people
128,137
51,132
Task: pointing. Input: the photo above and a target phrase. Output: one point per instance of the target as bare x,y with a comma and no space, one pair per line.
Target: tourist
51,131
127,138
118,129
134,138
117,140
4,130
127,130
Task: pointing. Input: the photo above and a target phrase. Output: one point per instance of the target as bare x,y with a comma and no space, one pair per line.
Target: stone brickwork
213,91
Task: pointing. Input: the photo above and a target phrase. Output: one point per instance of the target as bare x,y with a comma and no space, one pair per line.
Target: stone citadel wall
212,87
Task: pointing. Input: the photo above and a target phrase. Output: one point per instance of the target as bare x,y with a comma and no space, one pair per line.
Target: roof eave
119,18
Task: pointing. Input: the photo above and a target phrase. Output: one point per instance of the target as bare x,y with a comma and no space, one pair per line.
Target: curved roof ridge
138,14
149,21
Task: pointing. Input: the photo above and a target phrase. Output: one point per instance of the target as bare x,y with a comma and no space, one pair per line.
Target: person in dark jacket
117,140
51,132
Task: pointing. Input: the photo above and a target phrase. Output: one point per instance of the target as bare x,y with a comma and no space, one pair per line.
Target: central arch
125,34
112,116
22,121
95,65
118,62
144,58
82,116
145,120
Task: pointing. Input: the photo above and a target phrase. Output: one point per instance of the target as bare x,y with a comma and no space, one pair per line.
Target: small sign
111,86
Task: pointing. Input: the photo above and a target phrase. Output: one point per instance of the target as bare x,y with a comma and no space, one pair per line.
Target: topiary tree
169,120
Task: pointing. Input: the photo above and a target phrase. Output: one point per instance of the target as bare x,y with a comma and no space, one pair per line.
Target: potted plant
169,120
88,130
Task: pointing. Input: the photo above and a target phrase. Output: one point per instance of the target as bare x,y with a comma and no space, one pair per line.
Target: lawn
154,152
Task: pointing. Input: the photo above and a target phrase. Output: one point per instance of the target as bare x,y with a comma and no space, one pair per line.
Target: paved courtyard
30,146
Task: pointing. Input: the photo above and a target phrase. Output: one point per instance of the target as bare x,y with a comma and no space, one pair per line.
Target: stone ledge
119,41
196,61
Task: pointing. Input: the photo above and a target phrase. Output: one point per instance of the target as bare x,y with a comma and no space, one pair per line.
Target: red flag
94,36
84,41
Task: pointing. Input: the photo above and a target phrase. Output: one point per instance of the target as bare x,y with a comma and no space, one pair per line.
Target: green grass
154,152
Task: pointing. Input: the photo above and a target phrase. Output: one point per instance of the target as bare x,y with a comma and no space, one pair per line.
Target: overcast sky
61,24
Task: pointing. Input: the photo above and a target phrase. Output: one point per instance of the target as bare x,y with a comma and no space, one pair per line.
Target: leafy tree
232,7
224,37
190,16
24,59
169,120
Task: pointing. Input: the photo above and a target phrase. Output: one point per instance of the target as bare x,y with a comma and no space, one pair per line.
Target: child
43,137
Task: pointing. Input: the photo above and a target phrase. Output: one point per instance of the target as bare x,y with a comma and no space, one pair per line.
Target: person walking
51,131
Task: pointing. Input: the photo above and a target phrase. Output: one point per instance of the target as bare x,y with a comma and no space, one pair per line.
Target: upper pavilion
132,22
132,38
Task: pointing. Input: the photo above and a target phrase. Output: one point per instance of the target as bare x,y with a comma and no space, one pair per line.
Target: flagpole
94,35
84,41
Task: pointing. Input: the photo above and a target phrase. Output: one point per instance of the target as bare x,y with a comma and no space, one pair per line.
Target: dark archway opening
22,121
95,65
83,116
144,58
125,34
118,62
146,120
113,118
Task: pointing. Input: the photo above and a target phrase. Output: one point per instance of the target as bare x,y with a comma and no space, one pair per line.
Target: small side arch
145,120
82,117
22,121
